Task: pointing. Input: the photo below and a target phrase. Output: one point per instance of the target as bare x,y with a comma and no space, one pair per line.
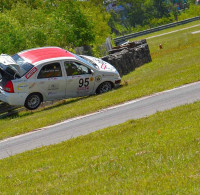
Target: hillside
174,65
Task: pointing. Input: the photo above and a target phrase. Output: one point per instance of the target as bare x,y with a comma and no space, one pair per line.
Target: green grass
176,64
153,155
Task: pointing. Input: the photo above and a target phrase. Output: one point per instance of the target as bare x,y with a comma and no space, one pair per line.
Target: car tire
33,101
104,87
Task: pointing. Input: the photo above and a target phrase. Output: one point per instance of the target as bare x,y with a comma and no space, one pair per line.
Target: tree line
138,15
68,24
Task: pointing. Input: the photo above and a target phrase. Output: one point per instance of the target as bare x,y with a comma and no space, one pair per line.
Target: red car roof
39,54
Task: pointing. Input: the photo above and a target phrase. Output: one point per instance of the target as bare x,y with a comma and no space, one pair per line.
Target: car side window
50,70
75,68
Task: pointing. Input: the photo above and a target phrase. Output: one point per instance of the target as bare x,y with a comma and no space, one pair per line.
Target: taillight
9,87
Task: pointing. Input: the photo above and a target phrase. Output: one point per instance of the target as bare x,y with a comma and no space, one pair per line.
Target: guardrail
121,39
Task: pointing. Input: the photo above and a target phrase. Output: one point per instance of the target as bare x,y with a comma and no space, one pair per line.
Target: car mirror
92,72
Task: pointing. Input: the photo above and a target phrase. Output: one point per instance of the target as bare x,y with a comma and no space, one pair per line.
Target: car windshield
23,66
89,60
86,61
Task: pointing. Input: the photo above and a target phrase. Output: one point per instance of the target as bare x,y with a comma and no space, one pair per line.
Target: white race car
51,73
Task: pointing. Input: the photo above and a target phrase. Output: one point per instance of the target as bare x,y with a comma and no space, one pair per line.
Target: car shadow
46,106
64,102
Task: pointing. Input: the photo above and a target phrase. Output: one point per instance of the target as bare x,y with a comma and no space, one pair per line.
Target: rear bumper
17,99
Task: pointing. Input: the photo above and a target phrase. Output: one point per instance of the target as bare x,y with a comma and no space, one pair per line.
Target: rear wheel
104,87
33,101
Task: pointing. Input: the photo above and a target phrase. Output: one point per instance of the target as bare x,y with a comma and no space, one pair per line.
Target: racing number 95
83,82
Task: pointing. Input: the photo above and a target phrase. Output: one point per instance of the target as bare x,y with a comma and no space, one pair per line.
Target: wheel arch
112,85
42,98
28,106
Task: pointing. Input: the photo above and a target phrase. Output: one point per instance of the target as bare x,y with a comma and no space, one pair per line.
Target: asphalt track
108,117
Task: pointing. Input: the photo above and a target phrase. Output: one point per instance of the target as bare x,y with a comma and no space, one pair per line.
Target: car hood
102,65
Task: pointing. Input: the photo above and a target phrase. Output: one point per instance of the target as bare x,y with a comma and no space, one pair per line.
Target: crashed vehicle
52,73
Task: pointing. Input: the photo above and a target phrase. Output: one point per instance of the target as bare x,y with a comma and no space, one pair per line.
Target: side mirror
92,72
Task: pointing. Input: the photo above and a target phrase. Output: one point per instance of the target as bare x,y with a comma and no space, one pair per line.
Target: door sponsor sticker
53,87
22,86
84,84
98,78
31,72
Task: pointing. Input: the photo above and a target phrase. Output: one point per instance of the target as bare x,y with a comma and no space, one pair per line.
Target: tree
60,23
99,17
8,4
71,25
12,38
162,10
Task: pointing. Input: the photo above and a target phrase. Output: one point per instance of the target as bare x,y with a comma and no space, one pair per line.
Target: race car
52,73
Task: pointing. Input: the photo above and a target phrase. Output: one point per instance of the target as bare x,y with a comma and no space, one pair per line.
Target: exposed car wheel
33,101
104,87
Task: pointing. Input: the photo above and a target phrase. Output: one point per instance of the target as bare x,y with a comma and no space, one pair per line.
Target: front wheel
33,101
104,87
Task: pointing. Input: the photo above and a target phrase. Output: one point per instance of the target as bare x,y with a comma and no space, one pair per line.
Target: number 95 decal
83,82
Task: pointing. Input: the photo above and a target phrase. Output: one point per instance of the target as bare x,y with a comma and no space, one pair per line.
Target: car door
79,78
51,82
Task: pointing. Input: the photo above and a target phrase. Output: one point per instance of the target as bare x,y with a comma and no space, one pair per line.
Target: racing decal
53,87
83,82
31,72
21,86
98,78
91,79
103,66
83,88
76,76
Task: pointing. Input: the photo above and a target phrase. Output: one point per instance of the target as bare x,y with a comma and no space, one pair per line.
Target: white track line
196,32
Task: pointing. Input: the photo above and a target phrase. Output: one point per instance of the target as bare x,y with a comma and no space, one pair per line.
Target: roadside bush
161,21
193,11
12,38
61,24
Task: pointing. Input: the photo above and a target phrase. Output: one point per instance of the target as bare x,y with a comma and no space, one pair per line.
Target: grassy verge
176,64
153,155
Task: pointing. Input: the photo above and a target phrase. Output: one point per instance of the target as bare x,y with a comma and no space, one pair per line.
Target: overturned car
52,73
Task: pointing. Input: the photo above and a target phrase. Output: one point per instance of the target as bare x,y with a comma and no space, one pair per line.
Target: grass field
153,155
176,64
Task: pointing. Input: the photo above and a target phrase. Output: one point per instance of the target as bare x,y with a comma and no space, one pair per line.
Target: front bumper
117,82
17,99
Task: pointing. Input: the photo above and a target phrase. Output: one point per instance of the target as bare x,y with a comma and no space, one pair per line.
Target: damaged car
33,76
